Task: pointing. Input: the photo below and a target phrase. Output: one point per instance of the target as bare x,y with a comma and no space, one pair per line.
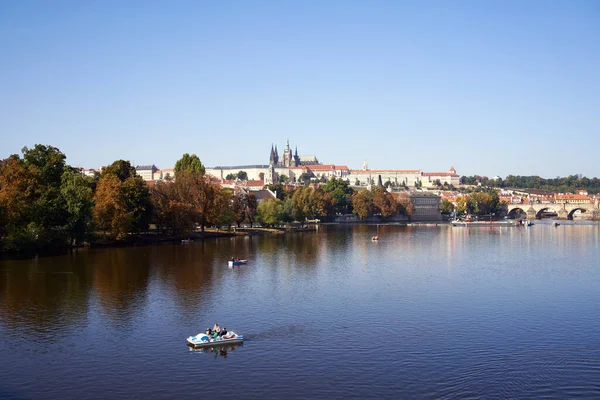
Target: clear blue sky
490,87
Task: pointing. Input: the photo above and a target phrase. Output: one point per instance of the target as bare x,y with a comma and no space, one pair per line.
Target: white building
147,172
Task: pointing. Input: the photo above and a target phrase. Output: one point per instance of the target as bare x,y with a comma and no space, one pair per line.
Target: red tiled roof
569,196
439,174
376,171
256,182
321,167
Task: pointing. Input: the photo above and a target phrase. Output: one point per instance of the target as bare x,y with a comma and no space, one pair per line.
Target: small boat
236,262
484,223
203,340
375,238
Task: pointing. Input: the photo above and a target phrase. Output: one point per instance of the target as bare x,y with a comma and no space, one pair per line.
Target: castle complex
293,166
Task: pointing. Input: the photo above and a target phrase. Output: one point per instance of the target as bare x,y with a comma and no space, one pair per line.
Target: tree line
569,184
47,204
481,202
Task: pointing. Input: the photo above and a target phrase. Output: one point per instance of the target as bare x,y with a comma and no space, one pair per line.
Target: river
425,312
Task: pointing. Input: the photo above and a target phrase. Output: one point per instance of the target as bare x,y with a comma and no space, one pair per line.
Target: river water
425,312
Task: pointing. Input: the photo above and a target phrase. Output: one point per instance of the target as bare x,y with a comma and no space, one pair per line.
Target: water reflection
452,302
216,351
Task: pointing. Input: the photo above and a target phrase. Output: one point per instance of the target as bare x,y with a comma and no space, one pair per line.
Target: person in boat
237,259
223,332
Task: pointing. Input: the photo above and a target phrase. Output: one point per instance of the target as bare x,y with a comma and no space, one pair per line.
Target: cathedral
289,160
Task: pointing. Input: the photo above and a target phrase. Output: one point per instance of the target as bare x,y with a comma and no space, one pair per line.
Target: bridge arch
538,213
514,211
570,215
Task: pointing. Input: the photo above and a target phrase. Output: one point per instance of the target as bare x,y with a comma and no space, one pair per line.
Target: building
147,172
427,206
291,165
396,177
450,178
402,177
572,199
328,171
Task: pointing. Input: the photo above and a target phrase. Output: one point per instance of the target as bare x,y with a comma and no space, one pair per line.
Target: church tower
272,156
287,155
296,158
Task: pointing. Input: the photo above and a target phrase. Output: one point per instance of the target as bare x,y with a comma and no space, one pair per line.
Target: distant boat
236,262
483,223
374,238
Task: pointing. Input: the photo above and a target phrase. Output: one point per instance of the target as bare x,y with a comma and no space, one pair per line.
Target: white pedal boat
203,340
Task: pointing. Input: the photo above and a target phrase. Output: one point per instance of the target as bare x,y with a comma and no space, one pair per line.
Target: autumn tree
206,198
405,205
122,201
362,203
384,202
169,212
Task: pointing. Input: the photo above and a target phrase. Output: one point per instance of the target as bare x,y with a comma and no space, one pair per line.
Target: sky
489,87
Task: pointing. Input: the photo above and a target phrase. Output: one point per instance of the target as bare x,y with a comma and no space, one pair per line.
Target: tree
15,204
77,199
242,175
447,207
384,202
251,208
227,218
461,205
109,213
405,205
122,201
341,194
231,177
206,198
362,203
121,169
270,212
189,163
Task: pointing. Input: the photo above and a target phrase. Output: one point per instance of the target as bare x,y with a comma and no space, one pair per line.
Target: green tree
77,198
341,193
446,207
121,169
189,163
270,212
242,175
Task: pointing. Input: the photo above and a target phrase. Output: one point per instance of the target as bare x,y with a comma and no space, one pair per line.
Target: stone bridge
564,211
